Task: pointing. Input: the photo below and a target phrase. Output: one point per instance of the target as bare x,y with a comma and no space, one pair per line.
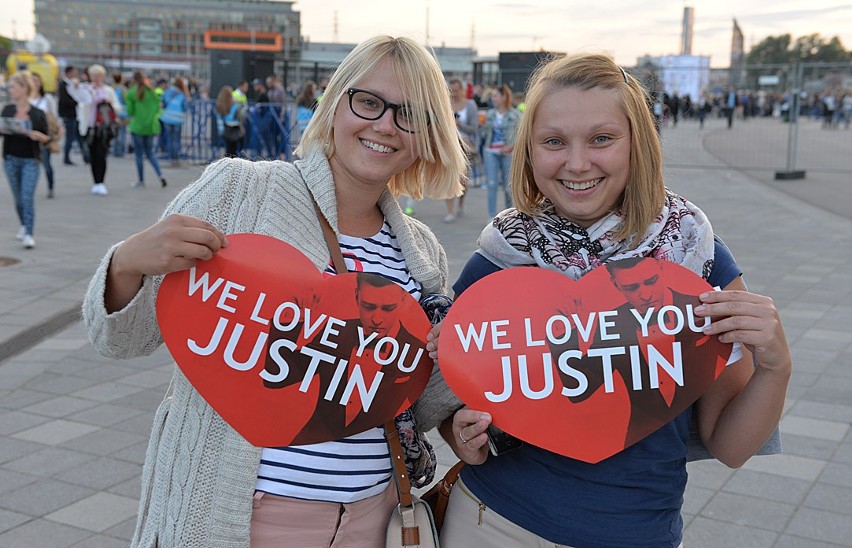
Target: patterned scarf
680,233
420,459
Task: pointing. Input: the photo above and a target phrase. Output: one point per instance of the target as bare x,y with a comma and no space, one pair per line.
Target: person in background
46,103
240,93
704,106
160,145
322,85
275,91
305,104
119,144
384,129
587,178
161,87
259,91
263,114
175,103
69,87
227,113
501,125
467,125
21,152
674,108
731,102
97,106
194,88
277,97
143,107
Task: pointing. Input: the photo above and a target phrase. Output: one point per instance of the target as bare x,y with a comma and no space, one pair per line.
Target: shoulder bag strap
330,240
403,484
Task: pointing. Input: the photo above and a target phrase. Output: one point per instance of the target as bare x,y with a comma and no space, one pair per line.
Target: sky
626,29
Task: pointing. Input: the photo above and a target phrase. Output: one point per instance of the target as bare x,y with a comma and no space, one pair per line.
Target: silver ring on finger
462,438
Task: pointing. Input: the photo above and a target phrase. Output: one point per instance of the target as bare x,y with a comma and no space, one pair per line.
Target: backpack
105,114
106,120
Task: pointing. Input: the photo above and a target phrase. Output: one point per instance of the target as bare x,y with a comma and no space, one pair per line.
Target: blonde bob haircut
24,78
441,162
97,69
644,194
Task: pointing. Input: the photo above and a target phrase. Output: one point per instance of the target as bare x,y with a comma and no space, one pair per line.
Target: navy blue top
633,498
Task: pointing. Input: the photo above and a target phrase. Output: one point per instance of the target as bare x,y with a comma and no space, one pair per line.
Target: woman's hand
172,244
432,341
466,435
751,319
740,410
38,136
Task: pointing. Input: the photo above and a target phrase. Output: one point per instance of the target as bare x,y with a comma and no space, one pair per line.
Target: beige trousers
286,522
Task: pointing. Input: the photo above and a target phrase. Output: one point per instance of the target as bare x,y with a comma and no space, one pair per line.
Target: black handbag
232,133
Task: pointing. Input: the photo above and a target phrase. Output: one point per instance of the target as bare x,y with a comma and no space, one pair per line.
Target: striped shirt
359,466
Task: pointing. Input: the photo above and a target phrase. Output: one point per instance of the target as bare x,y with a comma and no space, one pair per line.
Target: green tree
772,50
812,48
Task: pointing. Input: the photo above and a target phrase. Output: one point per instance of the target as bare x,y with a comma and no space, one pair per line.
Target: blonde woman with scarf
588,187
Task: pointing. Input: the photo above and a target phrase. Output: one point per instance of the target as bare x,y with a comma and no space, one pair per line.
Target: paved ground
759,147
74,426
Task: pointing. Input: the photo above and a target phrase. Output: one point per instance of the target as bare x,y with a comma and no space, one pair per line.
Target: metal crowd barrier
270,133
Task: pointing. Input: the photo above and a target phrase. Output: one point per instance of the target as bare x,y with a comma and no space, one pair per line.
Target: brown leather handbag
439,495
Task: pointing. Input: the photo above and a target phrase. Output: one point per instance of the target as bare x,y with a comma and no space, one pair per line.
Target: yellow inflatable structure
43,64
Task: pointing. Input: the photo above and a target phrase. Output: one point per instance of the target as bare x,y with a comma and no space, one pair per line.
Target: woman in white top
98,132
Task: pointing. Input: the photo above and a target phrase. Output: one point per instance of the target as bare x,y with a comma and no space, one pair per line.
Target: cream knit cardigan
199,474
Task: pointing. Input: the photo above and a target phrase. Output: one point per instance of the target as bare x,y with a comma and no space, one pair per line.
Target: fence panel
269,128
795,117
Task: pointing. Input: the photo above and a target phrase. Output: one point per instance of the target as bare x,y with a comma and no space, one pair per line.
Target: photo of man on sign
657,341
360,372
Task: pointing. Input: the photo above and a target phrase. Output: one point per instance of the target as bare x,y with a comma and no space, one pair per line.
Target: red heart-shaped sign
586,368
286,355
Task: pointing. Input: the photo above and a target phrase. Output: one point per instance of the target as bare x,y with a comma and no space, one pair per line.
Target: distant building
516,67
209,39
684,74
159,35
455,61
681,74
319,59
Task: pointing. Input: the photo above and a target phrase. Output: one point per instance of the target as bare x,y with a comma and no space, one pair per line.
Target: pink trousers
282,521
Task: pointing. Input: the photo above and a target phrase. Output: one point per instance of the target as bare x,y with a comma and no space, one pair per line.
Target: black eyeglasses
369,106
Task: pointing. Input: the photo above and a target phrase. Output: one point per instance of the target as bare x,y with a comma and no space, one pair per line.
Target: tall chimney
686,32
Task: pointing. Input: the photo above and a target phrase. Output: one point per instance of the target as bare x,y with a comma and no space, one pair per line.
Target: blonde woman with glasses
384,128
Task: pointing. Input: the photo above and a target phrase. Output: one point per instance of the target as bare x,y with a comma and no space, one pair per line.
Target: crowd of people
832,106
103,115
155,119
